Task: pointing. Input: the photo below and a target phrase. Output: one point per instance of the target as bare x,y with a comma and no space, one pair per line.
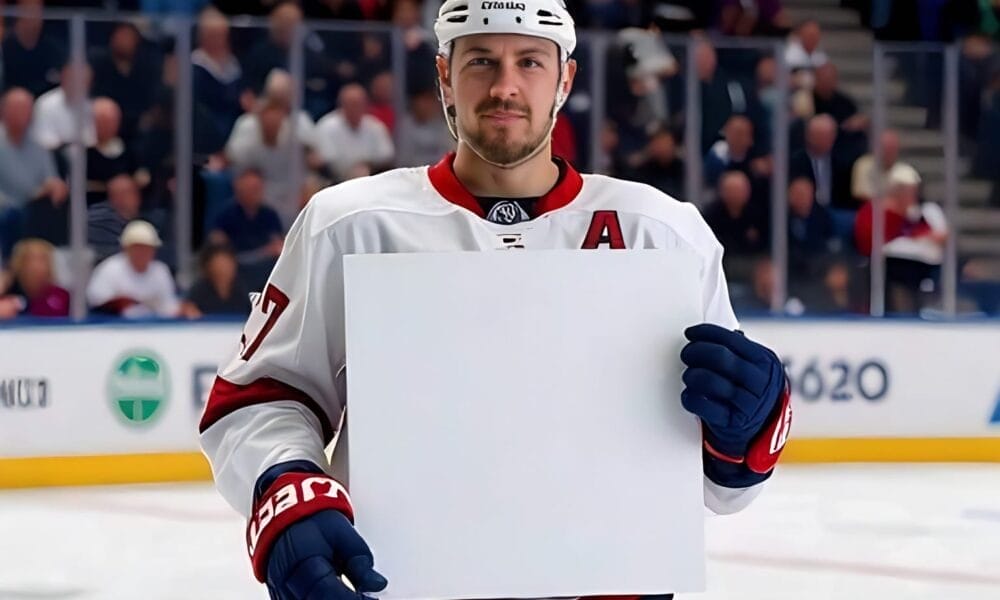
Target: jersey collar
444,180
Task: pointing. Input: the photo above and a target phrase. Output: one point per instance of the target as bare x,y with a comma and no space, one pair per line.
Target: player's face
503,88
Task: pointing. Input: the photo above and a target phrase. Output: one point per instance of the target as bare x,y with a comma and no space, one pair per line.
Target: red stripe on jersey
444,180
227,397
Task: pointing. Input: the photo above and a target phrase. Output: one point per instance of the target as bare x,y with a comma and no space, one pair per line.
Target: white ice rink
838,532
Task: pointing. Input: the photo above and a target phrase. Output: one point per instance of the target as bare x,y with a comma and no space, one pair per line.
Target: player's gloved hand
739,390
301,537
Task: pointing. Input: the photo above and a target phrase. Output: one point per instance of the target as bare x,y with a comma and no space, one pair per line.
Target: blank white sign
515,422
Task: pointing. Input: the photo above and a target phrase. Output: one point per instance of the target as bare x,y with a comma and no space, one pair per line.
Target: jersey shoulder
405,190
601,192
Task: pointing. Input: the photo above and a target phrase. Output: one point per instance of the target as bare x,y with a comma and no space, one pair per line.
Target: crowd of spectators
256,160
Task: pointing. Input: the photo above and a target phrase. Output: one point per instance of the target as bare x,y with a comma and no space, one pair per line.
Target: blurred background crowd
287,97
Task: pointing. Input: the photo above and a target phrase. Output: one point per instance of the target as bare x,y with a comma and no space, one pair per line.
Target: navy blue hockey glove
301,537
739,390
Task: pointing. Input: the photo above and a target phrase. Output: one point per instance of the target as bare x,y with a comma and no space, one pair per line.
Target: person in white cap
915,236
132,283
505,70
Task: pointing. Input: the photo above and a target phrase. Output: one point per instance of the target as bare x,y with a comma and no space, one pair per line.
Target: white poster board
515,422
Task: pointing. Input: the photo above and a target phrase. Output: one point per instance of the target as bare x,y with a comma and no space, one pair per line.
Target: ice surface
884,532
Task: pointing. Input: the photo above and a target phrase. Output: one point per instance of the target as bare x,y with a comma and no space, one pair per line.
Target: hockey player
505,70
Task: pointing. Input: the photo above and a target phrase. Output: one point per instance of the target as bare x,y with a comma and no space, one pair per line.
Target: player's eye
481,62
530,63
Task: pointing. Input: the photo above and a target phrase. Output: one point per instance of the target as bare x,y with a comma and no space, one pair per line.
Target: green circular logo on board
138,387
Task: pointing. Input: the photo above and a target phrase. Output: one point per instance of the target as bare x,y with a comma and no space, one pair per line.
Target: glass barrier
35,202
905,174
243,144
781,160
977,223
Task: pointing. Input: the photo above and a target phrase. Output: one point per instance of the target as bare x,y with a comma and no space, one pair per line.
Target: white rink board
61,386
889,378
943,380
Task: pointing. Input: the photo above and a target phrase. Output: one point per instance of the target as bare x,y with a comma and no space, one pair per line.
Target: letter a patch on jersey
604,229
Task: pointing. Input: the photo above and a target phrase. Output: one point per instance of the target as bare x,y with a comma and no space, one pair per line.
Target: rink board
92,404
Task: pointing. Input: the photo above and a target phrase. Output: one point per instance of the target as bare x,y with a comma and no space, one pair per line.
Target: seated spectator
263,140
219,289
810,225
647,66
753,17
132,283
811,231
423,135
217,82
54,124
280,87
757,298
865,181
610,160
32,197
818,163
107,220
660,167
828,99
31,289
381,106
736,152
914,234
803,54
839,295
350,141
419,45
766,96
109,155
31,60
742,230
825,98
252,228
273,53
721,95
128,75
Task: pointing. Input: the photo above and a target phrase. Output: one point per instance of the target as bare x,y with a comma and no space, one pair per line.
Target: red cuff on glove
291,497
766,447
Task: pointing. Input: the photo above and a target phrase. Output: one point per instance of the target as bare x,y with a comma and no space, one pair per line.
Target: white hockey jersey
282,395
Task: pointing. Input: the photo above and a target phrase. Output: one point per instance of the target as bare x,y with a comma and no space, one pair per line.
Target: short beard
499,150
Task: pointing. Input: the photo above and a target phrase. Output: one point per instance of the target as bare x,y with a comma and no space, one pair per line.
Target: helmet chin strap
452,120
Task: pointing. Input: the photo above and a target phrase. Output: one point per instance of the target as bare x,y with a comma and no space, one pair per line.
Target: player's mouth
503,117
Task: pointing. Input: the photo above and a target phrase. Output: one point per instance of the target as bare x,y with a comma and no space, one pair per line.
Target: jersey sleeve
279,397
715,291
718,309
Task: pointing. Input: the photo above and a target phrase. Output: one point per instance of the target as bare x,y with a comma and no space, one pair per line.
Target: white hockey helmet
547,19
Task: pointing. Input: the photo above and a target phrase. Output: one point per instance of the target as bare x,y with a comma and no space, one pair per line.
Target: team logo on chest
507,212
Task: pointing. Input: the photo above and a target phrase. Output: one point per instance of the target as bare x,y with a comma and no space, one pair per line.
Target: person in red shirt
915,236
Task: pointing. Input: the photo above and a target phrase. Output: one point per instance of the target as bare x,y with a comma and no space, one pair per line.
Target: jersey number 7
272,303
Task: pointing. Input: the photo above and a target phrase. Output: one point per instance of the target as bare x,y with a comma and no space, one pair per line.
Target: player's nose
506,83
